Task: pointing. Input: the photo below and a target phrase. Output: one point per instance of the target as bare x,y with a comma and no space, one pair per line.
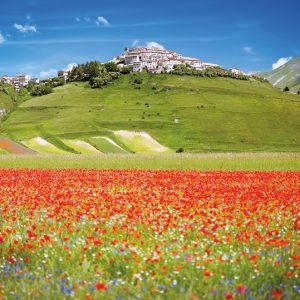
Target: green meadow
203,161
193,113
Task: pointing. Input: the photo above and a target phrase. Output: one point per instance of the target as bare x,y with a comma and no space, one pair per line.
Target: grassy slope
9,98
5,101
47,148
81,146
286,75
2,151
105,146
214,114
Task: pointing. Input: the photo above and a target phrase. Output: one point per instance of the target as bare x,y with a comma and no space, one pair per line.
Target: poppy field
137,234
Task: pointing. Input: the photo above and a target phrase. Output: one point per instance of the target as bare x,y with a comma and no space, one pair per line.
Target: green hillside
193,113
9,98
287,75
5,104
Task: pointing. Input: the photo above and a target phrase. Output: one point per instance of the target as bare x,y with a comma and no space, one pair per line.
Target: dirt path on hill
13,147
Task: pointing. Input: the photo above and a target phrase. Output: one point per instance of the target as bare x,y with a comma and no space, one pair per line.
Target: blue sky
38,37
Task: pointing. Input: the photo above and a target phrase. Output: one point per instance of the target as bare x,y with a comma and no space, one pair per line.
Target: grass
9,98
106,145
140,142
80,146
212,161
2,151
5,101
43,148
213,114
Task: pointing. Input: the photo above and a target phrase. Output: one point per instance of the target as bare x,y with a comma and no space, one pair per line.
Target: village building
156,60
6,79
21,80
17,81
237,71
64,75
34,81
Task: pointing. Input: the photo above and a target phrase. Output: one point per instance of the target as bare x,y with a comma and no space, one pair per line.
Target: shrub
180,150
40,90
96,82
137,81
111,67
125,70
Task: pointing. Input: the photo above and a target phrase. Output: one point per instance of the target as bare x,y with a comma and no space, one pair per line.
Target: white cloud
2,39
25,28
248,50
154,45
135,43
102,21
49,73
280,62
77,19
70,67
87,19
138,43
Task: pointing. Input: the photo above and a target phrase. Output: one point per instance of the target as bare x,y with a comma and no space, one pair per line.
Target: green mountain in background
193,113
287,75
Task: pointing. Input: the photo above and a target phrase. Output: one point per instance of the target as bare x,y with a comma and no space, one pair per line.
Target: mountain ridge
288,75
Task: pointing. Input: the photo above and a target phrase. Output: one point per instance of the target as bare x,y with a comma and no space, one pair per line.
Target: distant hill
193,113
287,75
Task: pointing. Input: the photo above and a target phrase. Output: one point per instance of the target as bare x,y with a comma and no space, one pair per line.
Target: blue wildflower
297,288
65,290
160,287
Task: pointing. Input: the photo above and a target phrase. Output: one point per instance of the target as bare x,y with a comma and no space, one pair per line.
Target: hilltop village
19,81
138,59
156,60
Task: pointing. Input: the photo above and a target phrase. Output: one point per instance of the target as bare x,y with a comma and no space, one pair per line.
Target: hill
9,98
287,75
6,104
193,113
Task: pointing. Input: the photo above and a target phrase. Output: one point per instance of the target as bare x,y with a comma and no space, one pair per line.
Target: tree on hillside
111,67
298,93
286,89
126,70
41,89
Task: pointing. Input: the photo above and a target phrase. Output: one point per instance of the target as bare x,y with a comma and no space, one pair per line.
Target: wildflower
67,291
297,288
12,260
228,295
174,283
276,294
206,273
241,289
100,286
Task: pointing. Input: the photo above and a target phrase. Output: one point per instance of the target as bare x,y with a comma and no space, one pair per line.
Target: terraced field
135,142
40,145
106,145
81,147
140,142
9,146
